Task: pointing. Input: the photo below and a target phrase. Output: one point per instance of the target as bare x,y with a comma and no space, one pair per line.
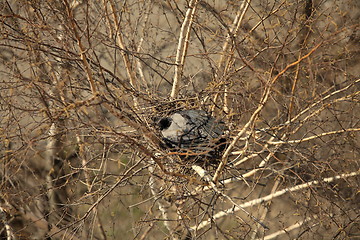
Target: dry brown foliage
82,82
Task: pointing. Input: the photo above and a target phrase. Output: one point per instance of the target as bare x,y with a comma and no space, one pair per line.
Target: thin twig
83,159
204,174
163,205
314,136
256,112
183,46
128,66
271,196
82,50
288,229
4,215
124,177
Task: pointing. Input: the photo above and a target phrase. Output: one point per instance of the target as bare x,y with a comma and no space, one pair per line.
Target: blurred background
82,84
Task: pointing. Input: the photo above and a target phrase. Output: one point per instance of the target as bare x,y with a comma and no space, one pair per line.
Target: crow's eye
164,123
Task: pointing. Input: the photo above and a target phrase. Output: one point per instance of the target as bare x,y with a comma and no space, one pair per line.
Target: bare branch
183,46
270,197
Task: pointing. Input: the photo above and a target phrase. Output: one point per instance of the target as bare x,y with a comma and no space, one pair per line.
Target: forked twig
271,196
257,112
206,176
183,46
314,136
163,205
288,229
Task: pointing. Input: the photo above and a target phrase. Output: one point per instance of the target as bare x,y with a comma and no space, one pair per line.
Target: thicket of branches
83,82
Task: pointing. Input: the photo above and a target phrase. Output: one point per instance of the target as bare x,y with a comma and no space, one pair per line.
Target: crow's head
165,123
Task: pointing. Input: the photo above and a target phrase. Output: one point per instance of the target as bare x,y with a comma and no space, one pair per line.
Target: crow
193,132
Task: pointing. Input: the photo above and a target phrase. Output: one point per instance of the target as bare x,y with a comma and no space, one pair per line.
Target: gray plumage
193,130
